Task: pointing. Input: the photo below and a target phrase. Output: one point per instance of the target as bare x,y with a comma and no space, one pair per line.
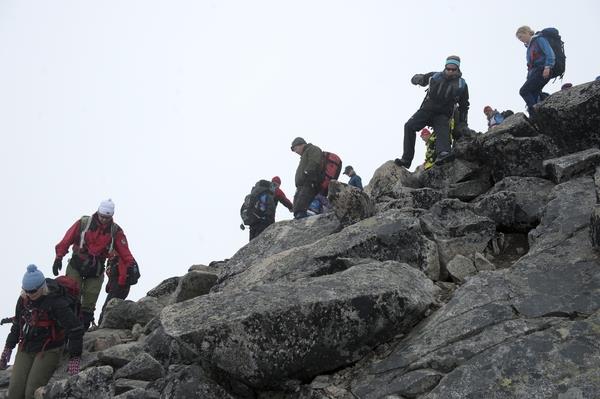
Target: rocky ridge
476,279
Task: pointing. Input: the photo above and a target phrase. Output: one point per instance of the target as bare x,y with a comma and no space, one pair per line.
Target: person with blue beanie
41,339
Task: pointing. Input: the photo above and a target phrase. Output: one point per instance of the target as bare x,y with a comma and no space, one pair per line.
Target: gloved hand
5,358
416,79
57,266
133,274
74,364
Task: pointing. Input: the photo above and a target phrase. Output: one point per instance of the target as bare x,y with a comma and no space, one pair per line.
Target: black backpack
259,204
558,46
507,113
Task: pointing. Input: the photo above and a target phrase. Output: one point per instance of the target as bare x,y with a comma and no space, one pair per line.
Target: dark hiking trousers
531,90
259,227
422,118
303,197
31,371
114,290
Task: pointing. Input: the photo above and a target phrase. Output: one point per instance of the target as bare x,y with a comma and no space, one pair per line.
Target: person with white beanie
94,239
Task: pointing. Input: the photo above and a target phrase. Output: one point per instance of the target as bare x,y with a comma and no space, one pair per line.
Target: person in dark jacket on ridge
355,180
308,175
540,61
89,256
280,195
447,89
40,309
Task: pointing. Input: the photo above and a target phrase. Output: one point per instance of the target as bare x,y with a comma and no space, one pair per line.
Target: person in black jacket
43,321
447,94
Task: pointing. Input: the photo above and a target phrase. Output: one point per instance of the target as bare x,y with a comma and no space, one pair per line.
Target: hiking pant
31,371
114,290
420,119
531,91
259,227
303,197
90,288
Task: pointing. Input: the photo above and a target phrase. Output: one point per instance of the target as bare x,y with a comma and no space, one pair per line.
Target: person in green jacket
308,175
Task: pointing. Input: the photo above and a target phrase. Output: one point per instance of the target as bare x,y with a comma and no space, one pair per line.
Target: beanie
276,180
106,208
487,108
33,278
425,132
453,59
297,141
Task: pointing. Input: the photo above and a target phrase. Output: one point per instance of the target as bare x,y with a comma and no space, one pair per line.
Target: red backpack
332,166
34,318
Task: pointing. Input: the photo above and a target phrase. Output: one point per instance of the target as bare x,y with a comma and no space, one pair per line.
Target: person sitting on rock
308,175
355,180
494,117
44,321
447,93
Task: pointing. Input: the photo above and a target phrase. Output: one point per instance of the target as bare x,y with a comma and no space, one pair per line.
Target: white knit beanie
106,208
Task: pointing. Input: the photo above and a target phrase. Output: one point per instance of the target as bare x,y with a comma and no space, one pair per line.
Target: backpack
332,166
507,113
558,46
259,204
38,318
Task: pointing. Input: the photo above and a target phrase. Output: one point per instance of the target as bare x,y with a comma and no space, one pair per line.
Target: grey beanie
297,141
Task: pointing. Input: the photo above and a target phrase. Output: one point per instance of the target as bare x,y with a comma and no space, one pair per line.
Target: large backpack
259,204
332,166
507,113
37,318
558,46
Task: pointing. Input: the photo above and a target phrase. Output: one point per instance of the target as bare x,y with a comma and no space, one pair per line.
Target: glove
416,79
74,364
133,274
5,358
57,266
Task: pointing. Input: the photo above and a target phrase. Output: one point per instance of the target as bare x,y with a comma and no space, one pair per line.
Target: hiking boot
444,157
402,162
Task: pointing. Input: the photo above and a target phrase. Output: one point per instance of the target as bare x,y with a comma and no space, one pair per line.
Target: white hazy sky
175,108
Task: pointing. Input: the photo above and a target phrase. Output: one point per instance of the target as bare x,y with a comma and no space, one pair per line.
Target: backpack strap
84,225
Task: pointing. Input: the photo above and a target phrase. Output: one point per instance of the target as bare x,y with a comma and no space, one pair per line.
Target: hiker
429,138
258,209
566,86
280,195
355,180
540,61
446,90
119,283
494,117
44,320
94,239
308,175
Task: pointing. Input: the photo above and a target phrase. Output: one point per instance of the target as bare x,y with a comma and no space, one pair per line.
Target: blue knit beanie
33,278
453,59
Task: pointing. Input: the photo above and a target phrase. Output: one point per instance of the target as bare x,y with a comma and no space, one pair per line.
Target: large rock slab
276,332
457,230
185,382
279,237
386,177
94,382
580,163
350,204
517,156
572,117
441,177
392,235
121,314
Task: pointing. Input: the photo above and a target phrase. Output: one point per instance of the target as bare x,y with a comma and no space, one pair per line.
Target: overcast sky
174,109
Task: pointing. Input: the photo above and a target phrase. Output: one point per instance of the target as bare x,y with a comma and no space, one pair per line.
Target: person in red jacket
93,240
280,195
